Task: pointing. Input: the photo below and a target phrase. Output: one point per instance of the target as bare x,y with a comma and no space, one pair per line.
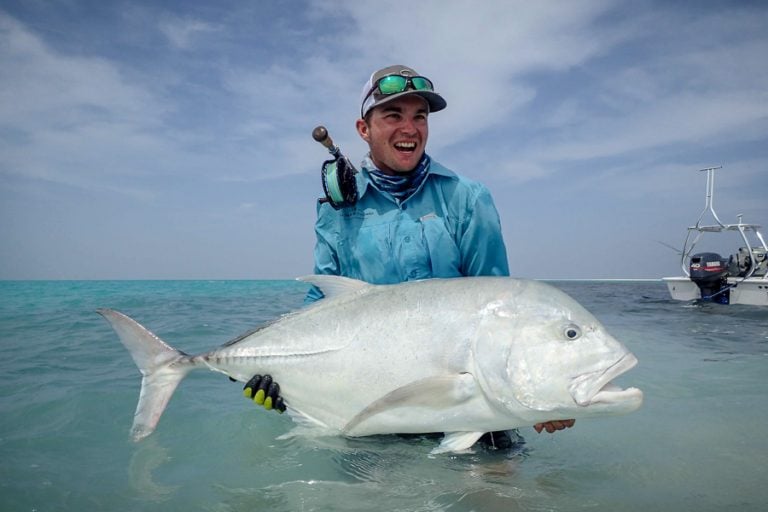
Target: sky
172,139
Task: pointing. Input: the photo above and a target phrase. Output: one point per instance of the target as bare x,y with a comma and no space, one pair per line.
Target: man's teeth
405,145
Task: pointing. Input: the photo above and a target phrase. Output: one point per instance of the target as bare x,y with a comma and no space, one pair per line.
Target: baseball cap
373,98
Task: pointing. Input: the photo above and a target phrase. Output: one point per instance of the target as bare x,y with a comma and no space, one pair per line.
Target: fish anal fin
438,392
457,442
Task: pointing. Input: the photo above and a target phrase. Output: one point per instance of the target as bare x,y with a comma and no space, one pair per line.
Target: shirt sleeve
326,258
482,248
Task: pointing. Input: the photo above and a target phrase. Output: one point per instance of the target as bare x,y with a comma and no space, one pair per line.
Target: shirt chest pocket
411,251
443,253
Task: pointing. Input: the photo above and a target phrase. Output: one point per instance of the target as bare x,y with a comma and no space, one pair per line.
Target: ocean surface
68,391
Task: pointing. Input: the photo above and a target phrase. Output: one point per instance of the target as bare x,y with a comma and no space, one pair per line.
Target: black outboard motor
709,271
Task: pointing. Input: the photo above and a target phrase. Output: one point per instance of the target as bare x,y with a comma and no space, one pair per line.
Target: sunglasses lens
392,84
421,84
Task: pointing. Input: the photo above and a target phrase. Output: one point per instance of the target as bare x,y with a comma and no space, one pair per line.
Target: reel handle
320,134
338,174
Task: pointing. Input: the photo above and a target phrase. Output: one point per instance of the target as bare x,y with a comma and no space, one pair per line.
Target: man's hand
264,391
551,426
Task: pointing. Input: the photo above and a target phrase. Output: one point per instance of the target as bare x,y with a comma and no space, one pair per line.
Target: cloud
69,119
480,59
62,89
593,84
183,32
76,120
691,96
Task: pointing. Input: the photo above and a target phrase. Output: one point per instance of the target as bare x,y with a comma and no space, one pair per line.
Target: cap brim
435,101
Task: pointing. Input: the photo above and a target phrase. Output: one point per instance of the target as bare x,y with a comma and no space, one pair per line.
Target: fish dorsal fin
334,286
437,391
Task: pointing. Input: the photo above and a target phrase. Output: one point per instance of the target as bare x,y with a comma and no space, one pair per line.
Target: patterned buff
401,186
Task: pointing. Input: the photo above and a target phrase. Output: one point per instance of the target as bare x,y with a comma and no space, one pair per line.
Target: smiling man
413,219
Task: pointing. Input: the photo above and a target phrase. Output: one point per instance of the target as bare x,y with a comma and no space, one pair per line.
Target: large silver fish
462,356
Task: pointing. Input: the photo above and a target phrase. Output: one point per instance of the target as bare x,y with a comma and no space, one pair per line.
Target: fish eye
572,332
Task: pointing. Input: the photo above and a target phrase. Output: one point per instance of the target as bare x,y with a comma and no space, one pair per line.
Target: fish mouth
596,387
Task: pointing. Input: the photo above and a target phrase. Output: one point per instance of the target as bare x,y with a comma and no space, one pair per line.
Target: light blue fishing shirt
448,227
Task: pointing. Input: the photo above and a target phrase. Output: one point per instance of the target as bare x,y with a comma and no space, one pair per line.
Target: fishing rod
337,174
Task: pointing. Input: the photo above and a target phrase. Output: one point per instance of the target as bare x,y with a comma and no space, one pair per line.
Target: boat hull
752,291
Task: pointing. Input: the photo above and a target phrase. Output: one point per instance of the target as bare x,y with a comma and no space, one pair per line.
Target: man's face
397,133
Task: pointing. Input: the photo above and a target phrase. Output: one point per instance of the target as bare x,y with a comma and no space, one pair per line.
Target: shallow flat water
69,389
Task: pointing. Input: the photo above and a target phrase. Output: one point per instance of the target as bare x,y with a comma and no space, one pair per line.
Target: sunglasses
393,84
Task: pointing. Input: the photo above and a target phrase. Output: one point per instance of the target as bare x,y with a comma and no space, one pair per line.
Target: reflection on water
391,473
149,457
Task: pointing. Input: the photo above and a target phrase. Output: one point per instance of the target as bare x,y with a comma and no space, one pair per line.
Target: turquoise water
69,389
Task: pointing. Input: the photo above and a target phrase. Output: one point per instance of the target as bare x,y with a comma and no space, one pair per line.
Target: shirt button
403,206
407,239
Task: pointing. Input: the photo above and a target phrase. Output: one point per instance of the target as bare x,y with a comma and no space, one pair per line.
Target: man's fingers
258,388
271,394
263,390
249,390
552,426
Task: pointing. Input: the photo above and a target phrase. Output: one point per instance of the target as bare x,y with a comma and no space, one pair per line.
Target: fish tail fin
157,362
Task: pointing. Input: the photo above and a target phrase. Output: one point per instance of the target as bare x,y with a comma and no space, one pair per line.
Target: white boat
742,278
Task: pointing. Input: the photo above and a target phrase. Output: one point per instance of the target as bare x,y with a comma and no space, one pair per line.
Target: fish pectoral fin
457,442
433,392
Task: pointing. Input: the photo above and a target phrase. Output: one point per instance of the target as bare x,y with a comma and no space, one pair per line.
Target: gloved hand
264,391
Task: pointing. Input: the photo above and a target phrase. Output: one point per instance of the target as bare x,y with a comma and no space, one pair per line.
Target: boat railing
719,227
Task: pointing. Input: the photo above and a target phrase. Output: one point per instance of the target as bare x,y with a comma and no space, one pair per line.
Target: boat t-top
742,278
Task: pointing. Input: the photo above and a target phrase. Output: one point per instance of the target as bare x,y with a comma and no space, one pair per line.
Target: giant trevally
462,356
